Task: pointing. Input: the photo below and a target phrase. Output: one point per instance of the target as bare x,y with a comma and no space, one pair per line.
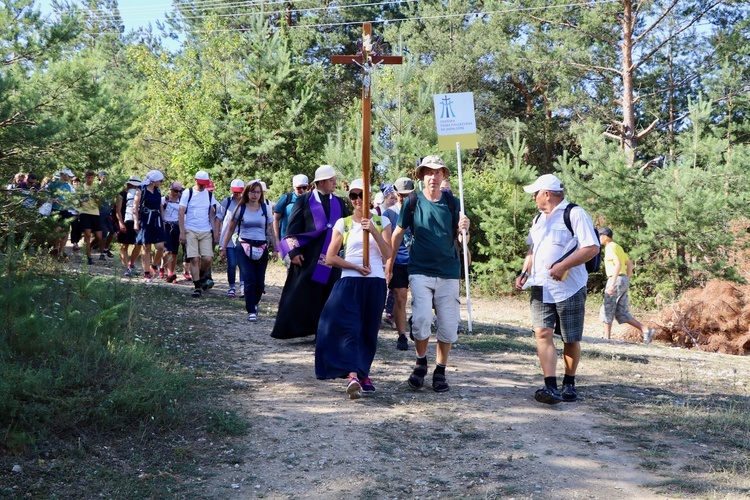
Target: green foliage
73,357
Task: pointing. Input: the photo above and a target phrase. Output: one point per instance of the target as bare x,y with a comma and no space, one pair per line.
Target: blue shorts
150,234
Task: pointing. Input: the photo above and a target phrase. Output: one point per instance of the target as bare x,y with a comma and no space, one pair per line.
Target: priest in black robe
309,281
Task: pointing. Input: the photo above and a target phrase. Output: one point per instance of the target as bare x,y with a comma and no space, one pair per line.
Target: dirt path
485,438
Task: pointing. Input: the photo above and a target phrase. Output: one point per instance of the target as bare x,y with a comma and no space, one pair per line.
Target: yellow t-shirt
613,253
90,206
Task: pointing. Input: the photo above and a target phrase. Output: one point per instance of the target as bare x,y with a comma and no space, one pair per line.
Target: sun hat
299,180
605,231
324,172
546,182
433,162
134,180
237,186
202,178
403,185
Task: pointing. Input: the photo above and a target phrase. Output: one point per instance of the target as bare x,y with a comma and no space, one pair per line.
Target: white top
550,240
129,201
197,216
354,250
171,210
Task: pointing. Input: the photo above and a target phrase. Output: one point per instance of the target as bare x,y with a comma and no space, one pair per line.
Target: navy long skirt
348,328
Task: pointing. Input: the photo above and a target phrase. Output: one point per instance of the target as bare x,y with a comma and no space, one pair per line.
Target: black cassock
302,298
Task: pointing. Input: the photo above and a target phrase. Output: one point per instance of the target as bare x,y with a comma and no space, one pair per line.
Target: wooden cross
367,59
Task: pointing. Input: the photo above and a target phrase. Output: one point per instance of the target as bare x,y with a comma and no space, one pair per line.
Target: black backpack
450,200
592,265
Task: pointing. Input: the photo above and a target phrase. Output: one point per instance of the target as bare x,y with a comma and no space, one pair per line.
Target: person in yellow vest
616,304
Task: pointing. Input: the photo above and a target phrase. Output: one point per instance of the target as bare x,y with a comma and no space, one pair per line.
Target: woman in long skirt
348,327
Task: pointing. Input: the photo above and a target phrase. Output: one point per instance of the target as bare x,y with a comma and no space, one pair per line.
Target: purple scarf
290,242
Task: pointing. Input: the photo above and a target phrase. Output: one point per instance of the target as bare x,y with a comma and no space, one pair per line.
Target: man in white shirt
198,229
555,270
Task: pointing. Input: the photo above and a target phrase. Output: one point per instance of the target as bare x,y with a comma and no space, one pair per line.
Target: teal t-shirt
432,252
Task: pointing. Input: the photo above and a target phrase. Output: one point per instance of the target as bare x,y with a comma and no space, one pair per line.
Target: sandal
416,379
439,384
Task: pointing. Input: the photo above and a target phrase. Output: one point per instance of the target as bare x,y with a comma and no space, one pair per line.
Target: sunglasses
354,196
304,188
177,190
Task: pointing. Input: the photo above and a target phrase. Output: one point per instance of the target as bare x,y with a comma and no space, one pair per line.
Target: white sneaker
252,317
648,334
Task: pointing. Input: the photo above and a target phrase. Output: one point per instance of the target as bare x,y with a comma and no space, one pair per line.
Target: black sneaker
569,393
90,261
439,384
416,379
197,293
367,386
402,344
109,254
102,257
548,395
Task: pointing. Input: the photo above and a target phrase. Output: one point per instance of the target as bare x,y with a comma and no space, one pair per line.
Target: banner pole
465,244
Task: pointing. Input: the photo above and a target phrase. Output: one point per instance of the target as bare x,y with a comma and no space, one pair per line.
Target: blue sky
135,13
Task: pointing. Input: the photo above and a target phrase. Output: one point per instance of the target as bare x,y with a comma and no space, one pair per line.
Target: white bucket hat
324,172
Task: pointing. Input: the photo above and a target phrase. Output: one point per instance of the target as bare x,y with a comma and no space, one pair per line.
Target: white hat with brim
546,182
324,172
134,180
432,162
263,186
299,180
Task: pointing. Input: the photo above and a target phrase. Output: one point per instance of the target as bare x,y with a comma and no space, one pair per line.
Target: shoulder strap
228,200
566,217
451,200
347,230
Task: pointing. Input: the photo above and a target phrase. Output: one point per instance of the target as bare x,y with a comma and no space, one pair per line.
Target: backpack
348,222
592,265
450,200
242,215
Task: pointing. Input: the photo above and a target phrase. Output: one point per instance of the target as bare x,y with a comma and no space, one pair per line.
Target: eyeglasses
258,193
354,196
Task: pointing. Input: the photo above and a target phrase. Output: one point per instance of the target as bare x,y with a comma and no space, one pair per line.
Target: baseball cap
300,180
378,198
67,172
403,185
433,162
210,186
324,172
237,186
103,173
357,184
201,177
546,182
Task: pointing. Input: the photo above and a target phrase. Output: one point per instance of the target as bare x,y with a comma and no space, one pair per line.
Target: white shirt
197,217
550,239
354,250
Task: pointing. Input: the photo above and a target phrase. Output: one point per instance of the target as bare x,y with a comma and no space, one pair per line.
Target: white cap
67,172
237,186
546,182
201,177
300,180
356,184
379,198
263,186
324,172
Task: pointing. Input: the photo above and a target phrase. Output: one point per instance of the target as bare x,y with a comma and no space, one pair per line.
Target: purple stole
322,271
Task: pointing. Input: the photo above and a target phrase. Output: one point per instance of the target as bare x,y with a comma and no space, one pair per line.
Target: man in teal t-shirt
434,268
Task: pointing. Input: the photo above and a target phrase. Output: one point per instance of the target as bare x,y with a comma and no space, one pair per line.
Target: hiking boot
569,393
353,388
367,386
231,293
197,293
416,379
548,395
402,344
439,383
648,335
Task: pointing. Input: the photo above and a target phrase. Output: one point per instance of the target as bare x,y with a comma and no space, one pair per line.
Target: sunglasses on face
177,190
303,188
354,196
